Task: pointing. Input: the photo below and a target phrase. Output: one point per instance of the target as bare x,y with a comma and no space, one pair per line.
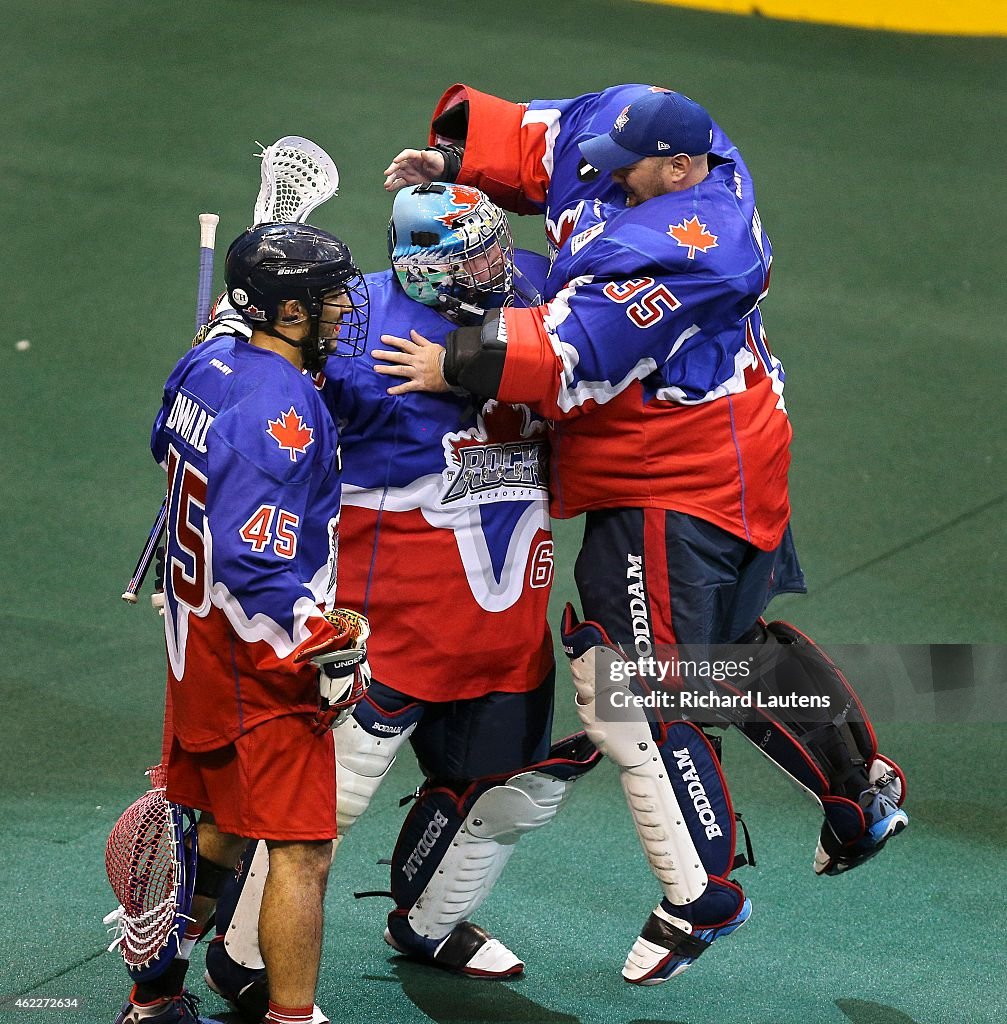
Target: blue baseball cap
658,124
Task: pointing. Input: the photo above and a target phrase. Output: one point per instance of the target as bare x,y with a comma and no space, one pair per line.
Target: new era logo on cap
657,124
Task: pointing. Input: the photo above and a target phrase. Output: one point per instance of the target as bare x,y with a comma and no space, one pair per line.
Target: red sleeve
503,157
532,372
324,637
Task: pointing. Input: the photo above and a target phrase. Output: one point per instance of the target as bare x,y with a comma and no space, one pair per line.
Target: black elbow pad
474,357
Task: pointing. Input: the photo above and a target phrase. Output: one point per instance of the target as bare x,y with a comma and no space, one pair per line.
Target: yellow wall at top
967,17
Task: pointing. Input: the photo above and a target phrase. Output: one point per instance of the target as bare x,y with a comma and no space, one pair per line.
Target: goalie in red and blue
670,434
445,544
260,664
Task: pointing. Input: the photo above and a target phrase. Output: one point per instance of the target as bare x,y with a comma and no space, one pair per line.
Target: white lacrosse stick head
297,177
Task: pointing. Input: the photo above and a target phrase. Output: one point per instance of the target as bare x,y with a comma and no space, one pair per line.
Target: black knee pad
211,878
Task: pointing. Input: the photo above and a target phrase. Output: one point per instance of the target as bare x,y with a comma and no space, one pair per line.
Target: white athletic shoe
666,948
493,960
467,949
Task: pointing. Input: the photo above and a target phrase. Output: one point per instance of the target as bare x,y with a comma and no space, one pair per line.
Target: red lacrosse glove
343,672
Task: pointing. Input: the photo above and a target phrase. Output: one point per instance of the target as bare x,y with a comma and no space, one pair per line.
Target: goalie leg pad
671,776
441,872
366,746
453,848
836,761
678,799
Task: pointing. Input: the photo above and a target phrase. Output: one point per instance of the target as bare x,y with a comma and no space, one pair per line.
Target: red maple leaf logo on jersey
290,432
692,235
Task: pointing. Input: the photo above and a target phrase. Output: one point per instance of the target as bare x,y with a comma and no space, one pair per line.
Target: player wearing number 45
259,666
671,435
445,543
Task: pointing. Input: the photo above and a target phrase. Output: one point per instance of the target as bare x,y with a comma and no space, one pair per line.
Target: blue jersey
445,521
253,498
649,352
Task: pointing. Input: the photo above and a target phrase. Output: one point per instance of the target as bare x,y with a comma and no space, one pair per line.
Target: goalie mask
271,263
451,248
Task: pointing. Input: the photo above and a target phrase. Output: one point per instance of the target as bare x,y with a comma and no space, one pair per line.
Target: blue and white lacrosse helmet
451,248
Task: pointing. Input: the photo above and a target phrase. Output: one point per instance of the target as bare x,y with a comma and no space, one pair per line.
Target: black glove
453,156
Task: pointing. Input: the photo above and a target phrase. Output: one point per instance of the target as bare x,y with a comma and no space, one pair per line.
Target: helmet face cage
342,319
450,242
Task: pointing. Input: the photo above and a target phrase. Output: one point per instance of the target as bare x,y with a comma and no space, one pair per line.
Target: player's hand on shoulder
413,167
417,359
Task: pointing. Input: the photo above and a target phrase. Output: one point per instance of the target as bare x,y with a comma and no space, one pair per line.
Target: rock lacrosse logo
504,456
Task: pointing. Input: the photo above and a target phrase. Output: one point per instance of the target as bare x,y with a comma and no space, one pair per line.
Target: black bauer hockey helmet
273,262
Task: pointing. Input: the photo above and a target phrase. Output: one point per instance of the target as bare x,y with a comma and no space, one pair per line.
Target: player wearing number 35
671,434
257,672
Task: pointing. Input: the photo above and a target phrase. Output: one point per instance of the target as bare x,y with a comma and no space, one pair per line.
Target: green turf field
878,159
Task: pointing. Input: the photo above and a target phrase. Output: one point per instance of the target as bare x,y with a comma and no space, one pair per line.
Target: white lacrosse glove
343,673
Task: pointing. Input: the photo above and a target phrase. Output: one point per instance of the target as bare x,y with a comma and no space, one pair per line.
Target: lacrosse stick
207,236
297,176
150,859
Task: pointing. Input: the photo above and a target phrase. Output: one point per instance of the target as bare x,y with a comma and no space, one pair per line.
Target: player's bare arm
417,359
413,167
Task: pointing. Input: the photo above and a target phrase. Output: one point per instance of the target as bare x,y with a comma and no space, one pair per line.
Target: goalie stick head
150,859
451,248
271,263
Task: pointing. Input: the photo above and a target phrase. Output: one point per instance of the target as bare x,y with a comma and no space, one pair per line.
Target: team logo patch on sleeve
291,433
692,235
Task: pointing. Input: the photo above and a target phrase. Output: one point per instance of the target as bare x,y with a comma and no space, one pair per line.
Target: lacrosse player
671,435
260,667
445,543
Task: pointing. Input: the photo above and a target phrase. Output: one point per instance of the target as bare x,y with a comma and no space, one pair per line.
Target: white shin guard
481,848
241,940
362,762
657,814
